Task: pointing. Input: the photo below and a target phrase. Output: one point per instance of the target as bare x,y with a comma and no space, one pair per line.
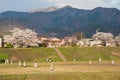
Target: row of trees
102,38
28,38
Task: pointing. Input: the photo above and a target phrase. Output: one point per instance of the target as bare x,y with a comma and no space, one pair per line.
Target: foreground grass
62,71
87,53
65,76
30,55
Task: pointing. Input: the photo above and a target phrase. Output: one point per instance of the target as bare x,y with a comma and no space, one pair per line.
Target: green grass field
93,53
79,70
71,53
30,55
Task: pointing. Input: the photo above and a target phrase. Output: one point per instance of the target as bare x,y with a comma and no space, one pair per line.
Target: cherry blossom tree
106,38
117,39
22,38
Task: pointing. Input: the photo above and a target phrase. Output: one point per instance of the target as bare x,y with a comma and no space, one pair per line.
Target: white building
50,41
1,42
89,42
97,43
84,42
67,41
54,42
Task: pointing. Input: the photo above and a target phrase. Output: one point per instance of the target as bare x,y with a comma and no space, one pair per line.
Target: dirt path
60,54
116,54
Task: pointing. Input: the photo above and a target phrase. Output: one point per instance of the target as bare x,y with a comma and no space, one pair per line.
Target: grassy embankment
29,55
93,53
80,54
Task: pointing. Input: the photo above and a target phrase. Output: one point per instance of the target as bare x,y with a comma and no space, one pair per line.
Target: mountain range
61,22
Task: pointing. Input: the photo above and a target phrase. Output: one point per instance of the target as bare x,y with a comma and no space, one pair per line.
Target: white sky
27,5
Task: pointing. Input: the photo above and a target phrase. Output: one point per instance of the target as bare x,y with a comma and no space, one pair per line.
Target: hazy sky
27,5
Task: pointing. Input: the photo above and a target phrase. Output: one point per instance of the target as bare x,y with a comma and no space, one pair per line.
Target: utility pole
9,23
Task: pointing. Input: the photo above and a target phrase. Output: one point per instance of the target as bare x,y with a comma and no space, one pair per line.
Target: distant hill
64,21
